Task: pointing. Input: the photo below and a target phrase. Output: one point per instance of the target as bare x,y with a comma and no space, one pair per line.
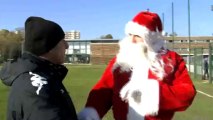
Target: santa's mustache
131,54
127,46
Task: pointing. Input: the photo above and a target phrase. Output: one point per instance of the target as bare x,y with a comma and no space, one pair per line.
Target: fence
195,62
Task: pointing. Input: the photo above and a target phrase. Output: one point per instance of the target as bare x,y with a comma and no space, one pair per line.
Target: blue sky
94,18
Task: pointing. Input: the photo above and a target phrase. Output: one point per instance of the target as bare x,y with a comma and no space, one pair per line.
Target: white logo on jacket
37,81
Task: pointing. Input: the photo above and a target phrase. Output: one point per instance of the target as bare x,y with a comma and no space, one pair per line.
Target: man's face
135,38
58,52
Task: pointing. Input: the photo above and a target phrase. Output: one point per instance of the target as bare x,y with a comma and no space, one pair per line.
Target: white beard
137,54
141,93
131,54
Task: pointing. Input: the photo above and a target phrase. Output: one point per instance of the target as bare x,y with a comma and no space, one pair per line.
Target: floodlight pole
163,19
210,58
189,35
173,26
212,7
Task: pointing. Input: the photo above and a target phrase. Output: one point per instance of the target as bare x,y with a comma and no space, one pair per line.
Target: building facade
101,51
72,35
85,51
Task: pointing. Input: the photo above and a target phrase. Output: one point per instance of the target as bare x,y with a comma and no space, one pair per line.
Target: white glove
88,113
143,98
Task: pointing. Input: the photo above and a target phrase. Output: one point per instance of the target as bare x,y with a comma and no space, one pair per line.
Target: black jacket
37,92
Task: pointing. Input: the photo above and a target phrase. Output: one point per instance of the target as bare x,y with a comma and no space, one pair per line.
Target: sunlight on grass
80,80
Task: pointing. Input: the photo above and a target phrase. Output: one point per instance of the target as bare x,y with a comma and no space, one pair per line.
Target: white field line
205,94
205,81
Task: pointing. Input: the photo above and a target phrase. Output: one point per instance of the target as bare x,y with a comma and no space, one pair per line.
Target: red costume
138,92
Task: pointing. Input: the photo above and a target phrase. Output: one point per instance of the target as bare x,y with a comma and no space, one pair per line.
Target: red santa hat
147,25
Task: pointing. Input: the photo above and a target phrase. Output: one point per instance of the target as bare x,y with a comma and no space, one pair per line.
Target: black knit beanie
41,35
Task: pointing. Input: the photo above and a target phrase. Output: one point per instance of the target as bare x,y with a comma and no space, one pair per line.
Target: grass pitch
81,78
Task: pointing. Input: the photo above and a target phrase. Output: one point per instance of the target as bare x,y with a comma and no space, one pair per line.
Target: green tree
108,36
10,44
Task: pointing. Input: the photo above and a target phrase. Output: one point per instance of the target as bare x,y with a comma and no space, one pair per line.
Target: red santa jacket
176,91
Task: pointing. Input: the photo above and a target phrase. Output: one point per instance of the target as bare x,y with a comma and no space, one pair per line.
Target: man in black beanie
37,92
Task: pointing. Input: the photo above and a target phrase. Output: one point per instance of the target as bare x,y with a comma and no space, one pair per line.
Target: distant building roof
95,40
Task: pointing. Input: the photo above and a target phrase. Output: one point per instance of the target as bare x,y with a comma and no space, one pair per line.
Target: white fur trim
136,29
154,40
141,93
88,113
150,98
149,104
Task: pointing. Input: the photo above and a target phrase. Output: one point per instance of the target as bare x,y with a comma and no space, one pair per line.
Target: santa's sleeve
100,97
178,95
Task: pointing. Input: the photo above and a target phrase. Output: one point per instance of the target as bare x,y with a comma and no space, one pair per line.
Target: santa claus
145,81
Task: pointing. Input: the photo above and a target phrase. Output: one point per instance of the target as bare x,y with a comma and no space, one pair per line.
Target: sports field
81,78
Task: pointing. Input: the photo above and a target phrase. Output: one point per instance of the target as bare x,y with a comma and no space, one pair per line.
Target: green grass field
80,79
